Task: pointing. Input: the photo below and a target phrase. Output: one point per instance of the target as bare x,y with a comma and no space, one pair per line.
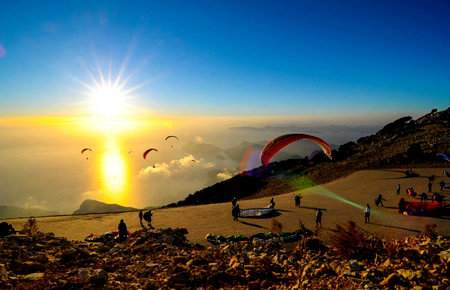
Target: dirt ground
343,200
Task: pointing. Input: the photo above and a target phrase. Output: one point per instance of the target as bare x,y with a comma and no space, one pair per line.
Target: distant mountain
201,149
94,206
404,143
18,212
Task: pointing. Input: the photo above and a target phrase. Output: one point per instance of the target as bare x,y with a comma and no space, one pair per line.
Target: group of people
123,230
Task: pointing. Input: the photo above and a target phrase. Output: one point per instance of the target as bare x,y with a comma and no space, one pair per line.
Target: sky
256,58
224,76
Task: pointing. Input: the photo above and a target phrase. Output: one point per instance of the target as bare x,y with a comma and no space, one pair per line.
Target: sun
108,102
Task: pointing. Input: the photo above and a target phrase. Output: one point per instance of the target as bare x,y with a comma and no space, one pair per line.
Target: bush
30,227
276,227
430,230
352,242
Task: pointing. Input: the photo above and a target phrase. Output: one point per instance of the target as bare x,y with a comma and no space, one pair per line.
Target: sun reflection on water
114,172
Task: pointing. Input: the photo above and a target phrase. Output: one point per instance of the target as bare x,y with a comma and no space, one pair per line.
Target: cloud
226,174
185,161
158,169
191,161
209,165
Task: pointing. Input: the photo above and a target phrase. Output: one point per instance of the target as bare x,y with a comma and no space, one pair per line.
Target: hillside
404,143
16,212
93,206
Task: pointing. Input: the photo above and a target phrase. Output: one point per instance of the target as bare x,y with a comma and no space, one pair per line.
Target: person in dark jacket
442,184
235,212
148,218
234,202
123,231
398,189
423,197
379,200
140,218
430,186
402,205
319,217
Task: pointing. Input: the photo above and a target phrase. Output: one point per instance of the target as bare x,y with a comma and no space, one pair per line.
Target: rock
407,274
99,276
390,280
83,274
33,276
354,266
445,255
180,278
3,273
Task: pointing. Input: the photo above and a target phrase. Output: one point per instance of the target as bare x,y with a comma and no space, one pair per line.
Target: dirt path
343,199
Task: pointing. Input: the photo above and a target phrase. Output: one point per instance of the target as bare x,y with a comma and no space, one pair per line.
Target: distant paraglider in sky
171,136
84,150
442,155
148,151
282,141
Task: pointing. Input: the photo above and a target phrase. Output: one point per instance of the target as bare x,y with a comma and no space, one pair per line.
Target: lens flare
114,173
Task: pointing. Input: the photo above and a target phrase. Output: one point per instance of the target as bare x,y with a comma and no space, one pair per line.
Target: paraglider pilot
123,231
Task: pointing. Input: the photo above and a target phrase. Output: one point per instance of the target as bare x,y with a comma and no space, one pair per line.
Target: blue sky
229,57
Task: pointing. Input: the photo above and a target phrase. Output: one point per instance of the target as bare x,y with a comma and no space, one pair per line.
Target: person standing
148,218
123,231
423,197
367,214
398,189
140,218
319,217
430,185
234,201
235,212
272,203
442,184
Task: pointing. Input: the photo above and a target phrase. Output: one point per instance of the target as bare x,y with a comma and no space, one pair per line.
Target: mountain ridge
403,143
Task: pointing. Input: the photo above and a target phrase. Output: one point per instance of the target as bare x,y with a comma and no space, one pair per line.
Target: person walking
379,200
140,218
123,231
398,189
367,214
319,217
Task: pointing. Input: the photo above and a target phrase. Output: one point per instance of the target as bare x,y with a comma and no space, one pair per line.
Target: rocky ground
166,259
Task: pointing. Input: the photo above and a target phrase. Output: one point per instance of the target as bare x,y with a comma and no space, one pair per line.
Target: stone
407,274
34,276
390,280
99,276
83,274
3,273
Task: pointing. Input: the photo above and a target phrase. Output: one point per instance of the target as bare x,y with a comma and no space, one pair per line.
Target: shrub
30,227
430,230
276,227
352,242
